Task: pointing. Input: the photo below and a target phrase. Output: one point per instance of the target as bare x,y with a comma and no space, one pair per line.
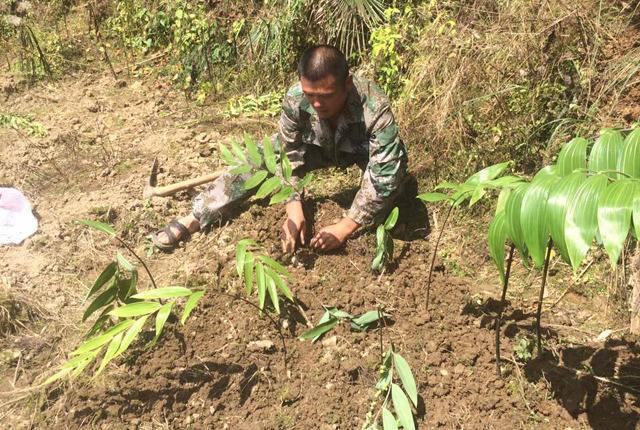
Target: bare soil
94,163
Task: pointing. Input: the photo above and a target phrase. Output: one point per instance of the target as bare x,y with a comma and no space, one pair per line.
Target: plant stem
381,322
435,252
544,283
501,308
123,243
275,323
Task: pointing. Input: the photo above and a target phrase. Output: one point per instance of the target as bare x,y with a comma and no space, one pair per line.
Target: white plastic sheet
16,217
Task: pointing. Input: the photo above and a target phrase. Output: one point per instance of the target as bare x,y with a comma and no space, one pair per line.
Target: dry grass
16,311
493,81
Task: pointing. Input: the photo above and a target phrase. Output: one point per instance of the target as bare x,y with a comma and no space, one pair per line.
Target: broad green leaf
131,334
241,169
504,182
573,156
581,222
269,156
402,407
487,174
273,293
476,195
392,219
614,216
135,309
545,173
284,194
227,156
282,286
433,197
381,234
98,324
388,420
80,367
512,210
387,373
304,182
497,237
268,186
111,352
100,226
533,217
502,199
408,381
161,319
163,293
133,284
636,212
256,179
378,261
241,253
126,264
369,317
103,278
190,305
340,314
248,274
78,359
252,151
557,209
446,185
287,171
319,330
98,341
261,284
606,152
237,150
630,160
58,375
105,298
326,316
274,264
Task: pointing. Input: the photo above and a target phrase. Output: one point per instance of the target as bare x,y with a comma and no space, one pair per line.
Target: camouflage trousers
227,192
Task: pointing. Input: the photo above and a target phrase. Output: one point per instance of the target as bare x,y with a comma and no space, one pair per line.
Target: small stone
330,342
265,346
444,372
188,420
202,137
459,368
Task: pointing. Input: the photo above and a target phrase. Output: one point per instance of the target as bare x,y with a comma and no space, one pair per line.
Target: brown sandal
185,235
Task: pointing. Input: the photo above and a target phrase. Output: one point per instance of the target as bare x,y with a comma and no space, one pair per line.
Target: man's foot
176,231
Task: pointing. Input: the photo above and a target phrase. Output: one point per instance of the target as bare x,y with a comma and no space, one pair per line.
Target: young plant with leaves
332,316
123,311
392,401
267,275
568,205
473,190
384,242
262,163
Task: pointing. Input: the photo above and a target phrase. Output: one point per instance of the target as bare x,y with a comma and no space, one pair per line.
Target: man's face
326,95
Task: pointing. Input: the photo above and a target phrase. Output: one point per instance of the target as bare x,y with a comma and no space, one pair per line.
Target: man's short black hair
318,61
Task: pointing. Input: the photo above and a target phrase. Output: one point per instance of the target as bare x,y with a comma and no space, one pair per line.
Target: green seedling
122,311
267,275
17,122
333,316
473,190
270,177
392,401
384,242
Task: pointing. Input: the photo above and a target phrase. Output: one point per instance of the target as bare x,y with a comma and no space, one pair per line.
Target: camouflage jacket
366,135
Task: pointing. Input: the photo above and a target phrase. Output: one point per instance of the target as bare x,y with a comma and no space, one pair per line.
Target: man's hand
333,236
294,227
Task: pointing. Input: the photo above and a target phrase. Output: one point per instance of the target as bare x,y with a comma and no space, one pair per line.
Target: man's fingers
303,236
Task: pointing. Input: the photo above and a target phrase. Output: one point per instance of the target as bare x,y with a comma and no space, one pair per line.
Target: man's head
325,79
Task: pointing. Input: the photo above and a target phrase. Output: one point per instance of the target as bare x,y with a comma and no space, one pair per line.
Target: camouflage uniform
366,135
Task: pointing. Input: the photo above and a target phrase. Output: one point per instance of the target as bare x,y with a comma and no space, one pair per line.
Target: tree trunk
635,294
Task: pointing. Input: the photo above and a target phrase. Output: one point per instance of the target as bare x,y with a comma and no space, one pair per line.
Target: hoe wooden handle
168,190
